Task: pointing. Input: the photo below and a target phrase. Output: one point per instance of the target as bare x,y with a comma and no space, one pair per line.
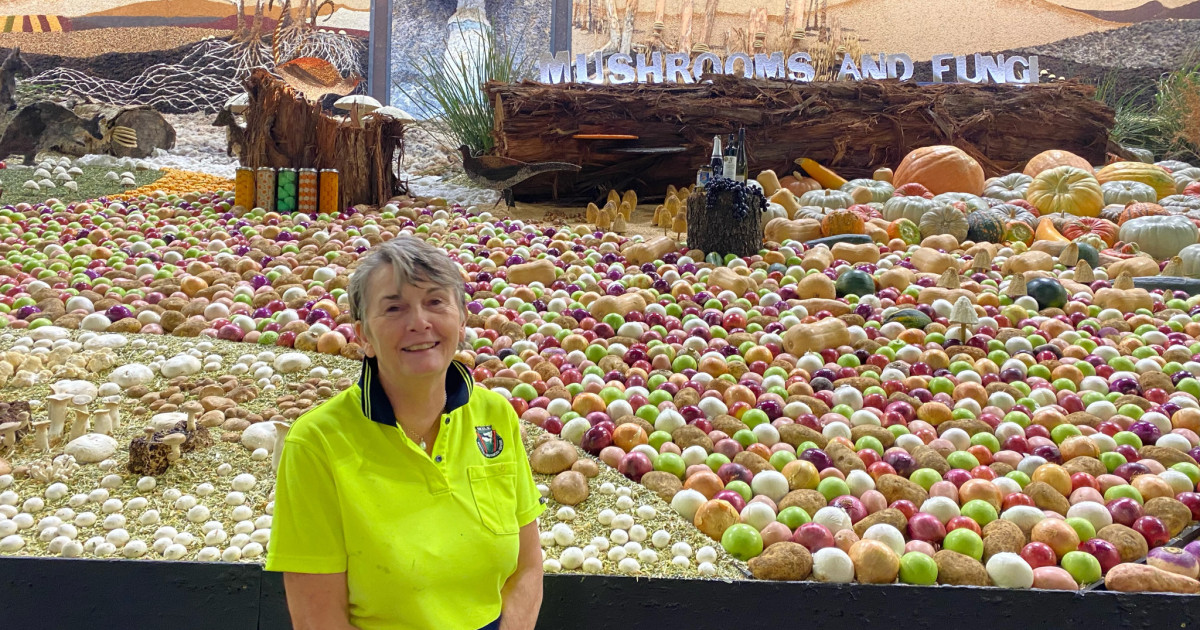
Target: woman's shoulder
315,425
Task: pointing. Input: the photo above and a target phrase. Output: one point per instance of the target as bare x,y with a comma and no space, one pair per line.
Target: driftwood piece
714,228
853,127
285,131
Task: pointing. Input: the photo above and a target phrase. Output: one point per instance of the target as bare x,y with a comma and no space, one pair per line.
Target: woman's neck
417,403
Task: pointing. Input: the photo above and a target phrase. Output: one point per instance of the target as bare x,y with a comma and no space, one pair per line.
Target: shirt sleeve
306,528
529,500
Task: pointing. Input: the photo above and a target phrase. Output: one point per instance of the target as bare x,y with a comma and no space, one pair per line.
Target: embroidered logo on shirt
490,443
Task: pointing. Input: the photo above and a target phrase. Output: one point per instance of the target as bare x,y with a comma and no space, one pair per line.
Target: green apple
715,461
1082,566
744,542
964,541
962,459
1083,527
925,477
918,568
980,511
1124,491
793,517
832,488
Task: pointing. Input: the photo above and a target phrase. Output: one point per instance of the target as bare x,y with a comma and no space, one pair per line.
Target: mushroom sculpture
358,105
395,113
148,456
964,315
175,441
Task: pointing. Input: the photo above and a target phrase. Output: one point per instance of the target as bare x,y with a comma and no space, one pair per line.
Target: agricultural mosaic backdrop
177,55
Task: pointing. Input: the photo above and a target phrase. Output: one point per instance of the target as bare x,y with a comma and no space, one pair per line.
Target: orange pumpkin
799,185
941,169
1106,230
1052,158
841,221
912,190
1141,209
865,212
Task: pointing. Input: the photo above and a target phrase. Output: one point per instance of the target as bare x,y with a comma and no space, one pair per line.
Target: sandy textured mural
1072,37
176,55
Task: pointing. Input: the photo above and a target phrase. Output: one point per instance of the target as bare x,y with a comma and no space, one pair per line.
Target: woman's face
413,330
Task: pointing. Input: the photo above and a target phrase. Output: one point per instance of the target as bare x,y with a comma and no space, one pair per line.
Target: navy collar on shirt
378,408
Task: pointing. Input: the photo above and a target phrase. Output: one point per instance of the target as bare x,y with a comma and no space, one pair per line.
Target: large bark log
283,130
853,127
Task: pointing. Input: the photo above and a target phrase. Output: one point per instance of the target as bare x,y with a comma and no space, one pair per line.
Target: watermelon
985,227
910,317
1089,253
1048,292
855,282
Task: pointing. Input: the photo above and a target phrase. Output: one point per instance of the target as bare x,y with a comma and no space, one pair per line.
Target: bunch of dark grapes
742,195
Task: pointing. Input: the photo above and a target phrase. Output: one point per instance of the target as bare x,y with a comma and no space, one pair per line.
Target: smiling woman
414,433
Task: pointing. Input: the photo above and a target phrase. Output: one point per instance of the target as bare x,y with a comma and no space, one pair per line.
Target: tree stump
715,228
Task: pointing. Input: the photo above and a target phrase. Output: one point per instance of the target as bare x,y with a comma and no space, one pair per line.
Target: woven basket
717,230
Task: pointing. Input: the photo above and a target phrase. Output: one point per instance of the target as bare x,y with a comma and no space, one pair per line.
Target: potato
970,425
1172,513
1047,498
928,458
552,457
728,424
1166,456
753,461
782,561
691,435
664,484
874,562
569,487
1141,578
844,458
808,500
895,487
1089,465
960,570
1130,544
1002,536
889,516
714,517
797,434
885,437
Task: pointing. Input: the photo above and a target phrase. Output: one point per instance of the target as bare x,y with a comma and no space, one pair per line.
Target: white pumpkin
827,199
974,203
1125,193
1185,176
911,208
774,211
1161,237
944,219
1007,188
1191,261
1181,203
880,191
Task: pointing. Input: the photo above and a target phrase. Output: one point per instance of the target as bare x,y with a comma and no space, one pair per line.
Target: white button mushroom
244,482
208,554
231,554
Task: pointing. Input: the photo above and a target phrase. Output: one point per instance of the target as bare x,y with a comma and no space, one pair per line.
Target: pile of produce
926,377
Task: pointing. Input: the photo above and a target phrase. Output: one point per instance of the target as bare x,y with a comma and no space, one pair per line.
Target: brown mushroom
192,409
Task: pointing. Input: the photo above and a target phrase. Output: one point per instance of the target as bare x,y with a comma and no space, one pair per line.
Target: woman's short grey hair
413,261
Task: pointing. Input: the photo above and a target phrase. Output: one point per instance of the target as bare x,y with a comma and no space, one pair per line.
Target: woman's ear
360,333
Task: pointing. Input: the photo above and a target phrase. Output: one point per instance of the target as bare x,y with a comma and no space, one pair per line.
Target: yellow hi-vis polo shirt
426,542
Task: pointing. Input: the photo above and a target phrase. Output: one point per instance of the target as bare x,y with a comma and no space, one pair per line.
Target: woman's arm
319,601
523,591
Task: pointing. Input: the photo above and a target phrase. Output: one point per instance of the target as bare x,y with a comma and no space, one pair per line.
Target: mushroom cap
10,426
361,102
40,424
174,439
238,103
964,312
58,397
192,405
82,399
395,113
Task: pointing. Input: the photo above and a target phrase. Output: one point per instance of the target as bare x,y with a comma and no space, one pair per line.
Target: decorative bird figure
501,173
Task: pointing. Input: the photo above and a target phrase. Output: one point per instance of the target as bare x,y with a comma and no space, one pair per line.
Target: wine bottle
742,168
716,162
729,162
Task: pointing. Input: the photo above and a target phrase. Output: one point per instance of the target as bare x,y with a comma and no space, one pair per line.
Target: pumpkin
1047,232
1066,189
1160,236
985,227
1018,231
1111,212
1156,177
810,212
944,219
855,282
1053,158
1106,230
1048,292
972,203
799,185
1183,202
1190,257
1008,187
1192,189
909,318
883,174
1135,210
1028,206
774,211
905,230
1185,176
1126,193
841,222
827,199
880,191
912,190
911,208
867,212
780,230
941,169
1173,165
1014,212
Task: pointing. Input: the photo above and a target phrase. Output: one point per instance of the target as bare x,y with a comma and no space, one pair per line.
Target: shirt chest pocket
494,489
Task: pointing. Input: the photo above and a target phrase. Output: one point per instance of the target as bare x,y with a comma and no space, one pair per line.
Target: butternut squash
785,198
729,280
816,285
815,305
897,278
818,258
826,333
931,261
940,241
1031,261
877,234
929,295
780,230
619,304
649,251
540,270
769,181
1047,232
853,254
1136,267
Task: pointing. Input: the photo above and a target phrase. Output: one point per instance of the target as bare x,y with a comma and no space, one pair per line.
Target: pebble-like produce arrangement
957,398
